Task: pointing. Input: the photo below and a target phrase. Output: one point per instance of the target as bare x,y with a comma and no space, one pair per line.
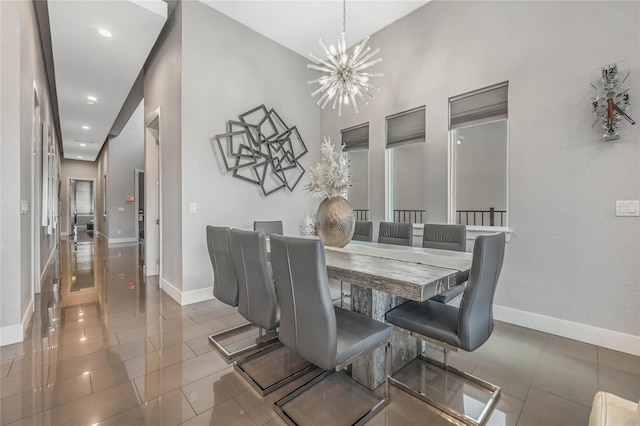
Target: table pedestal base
369,370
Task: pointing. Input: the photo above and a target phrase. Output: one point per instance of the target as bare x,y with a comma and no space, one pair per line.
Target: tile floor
107,347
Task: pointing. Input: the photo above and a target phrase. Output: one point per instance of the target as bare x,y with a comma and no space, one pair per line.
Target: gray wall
75,169
567,248
163,91
22,71
229,69
126,153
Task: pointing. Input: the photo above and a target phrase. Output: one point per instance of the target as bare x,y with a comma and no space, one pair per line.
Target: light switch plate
193,208
628,208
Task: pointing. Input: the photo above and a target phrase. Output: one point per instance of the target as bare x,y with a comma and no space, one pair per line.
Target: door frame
153,196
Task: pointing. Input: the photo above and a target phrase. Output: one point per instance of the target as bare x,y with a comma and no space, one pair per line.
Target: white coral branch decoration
330,177
307,225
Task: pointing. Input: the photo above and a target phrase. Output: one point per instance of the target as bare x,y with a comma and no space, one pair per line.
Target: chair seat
357,333
429,318
448,295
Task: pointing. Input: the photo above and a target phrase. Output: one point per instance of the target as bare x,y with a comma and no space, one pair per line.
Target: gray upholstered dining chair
257,302
225,284
400,234
363,231
466,327
331,338
269,227
446,237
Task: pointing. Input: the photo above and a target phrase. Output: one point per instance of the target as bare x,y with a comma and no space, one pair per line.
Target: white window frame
473,230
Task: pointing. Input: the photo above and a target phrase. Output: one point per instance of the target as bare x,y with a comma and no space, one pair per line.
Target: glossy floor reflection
108,347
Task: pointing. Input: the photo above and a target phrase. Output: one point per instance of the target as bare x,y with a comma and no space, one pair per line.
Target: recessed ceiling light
83,144
92,98
104,33
86,127
79,156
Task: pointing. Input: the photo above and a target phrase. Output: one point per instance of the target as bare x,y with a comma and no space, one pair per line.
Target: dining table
383,276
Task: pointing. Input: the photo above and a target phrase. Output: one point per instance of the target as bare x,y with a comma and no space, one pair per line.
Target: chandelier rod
344,17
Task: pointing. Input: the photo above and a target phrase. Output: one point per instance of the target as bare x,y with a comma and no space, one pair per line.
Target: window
406,166
356,143
84,197
478,134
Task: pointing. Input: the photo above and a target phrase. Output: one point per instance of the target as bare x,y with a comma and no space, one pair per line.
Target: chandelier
344,81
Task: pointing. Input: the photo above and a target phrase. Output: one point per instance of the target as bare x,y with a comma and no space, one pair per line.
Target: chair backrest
363,231
445,237
307,317
400,234
257,300
269,227
225,284
475,316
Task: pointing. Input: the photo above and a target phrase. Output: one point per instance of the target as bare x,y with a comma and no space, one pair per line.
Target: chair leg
279,405
493,399
264,389
263,339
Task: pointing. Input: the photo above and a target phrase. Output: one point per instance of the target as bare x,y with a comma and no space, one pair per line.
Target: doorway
152,198
139,197
81,210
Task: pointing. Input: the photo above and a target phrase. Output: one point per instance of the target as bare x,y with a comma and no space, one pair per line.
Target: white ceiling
299,25
88,64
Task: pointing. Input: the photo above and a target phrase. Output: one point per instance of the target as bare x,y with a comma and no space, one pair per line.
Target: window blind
406,127
479,106
356,137
84,197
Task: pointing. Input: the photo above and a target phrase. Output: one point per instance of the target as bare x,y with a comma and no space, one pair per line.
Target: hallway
106,346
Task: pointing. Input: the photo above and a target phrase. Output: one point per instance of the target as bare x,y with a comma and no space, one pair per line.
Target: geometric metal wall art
261,149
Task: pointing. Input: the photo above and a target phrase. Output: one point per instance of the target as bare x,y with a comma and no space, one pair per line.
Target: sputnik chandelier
344,80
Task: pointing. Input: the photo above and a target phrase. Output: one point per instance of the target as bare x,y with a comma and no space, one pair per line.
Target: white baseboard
186,298
585,333
15,333
199,295
11,334
111,241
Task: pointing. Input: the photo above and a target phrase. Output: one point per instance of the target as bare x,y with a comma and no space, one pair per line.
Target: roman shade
480,106
84,197
356,137
406,127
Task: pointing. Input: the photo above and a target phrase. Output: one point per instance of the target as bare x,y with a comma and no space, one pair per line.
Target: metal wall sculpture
261,149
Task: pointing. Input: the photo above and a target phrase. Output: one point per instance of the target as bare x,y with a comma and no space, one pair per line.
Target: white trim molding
15,333
112,241
571,330
188,297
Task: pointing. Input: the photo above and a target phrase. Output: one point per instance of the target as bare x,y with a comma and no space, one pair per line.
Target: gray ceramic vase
335,222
